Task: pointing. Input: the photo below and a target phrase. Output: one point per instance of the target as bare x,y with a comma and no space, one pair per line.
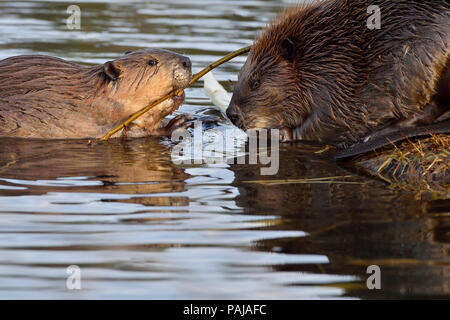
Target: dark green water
140,226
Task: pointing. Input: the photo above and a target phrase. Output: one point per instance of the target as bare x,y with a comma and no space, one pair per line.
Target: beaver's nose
232,114
182,72
186,63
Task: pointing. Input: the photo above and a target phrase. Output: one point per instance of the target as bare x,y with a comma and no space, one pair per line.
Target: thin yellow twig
194,79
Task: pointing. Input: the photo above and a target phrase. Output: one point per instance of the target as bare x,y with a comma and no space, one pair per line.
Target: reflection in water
130,218
123,212
140,226
354,226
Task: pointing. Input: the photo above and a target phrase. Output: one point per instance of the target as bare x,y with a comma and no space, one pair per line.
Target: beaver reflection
354,225
133,167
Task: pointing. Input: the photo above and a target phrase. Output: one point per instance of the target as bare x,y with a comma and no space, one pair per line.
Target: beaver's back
42,93
381,74
34,74
407,59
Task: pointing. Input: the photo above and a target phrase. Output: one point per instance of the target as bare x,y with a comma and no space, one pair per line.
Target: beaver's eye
152,62
255,84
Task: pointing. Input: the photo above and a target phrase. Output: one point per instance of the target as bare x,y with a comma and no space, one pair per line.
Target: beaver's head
278,84
266,90
143,76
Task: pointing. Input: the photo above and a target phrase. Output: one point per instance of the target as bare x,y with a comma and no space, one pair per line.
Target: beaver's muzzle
233,112
182,73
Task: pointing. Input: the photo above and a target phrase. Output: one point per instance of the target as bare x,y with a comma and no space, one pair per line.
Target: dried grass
421,166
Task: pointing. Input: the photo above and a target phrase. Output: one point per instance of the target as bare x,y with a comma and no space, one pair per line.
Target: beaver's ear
111,70
288,49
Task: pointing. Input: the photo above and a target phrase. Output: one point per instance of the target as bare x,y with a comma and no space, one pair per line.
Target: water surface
140,226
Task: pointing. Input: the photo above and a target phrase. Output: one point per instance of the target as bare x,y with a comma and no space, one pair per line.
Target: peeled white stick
218,95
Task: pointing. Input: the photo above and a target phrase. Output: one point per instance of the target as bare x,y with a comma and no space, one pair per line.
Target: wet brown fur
345,80
47,97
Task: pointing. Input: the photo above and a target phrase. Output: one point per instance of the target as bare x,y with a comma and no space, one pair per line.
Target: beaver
47,97
319,73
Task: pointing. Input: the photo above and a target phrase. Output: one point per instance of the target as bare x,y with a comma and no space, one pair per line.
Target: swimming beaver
47,97
319,73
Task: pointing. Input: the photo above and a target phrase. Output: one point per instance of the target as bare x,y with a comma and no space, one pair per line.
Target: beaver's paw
182,121
207,122
207,119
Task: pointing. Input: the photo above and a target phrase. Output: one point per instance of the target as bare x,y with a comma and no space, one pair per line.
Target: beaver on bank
320,74
47,97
